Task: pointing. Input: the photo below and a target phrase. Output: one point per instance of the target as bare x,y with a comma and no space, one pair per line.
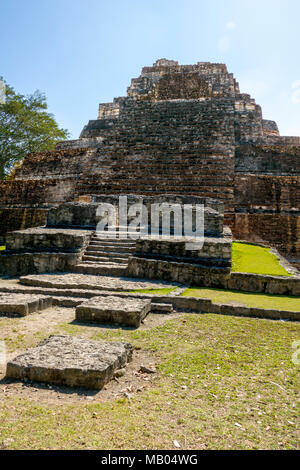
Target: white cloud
224,44
230,25
296,93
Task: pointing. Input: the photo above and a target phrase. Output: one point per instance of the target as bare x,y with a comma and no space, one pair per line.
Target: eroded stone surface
72,361
113,310
161,308
89,281
23,304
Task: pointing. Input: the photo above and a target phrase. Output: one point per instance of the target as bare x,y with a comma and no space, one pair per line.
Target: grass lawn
222,383
163,291
255,259
247,299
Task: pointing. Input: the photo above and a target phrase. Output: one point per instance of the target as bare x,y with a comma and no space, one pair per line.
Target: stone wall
214,252
40,250
19,264
194,304
45,239
197,275
20,218
184,273
84,214
268,209
263,193
276,158
279,230
36,193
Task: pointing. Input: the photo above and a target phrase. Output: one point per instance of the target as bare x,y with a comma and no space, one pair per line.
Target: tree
25,127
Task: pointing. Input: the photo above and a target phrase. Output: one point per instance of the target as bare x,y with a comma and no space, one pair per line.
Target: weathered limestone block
38,250
198,275
73,361
161,308
84,214
195,304
184,273
45,239
91,282
23,304
73,214
19,264
279,285
113,310
215,251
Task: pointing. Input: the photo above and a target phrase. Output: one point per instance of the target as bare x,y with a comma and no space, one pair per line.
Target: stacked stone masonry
181,129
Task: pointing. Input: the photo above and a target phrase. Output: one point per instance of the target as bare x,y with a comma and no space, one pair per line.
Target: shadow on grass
104,326
64,389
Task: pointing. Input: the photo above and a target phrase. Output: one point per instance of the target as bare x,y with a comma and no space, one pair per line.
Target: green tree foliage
25,127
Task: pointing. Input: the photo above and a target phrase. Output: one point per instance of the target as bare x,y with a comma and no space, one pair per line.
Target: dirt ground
47,323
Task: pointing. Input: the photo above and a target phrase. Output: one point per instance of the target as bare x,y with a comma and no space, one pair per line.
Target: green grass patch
163,291
255,259
247,299
223,383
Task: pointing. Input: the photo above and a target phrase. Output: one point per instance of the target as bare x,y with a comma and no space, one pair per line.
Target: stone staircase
106,256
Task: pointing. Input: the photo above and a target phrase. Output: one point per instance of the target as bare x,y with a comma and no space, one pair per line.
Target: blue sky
83,52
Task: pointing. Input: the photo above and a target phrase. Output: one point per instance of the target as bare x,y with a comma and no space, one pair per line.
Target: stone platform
113,310
20,305
91,282
72,361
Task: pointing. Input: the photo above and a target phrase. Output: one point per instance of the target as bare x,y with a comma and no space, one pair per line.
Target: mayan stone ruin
181,129
71,361
183,136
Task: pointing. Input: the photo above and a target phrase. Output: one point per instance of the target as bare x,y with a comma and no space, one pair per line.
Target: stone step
60,294
110,259
108,254
161,308
79,285
104,263
108,243
113,310
67,302
54,292
117,236
103,249
106,269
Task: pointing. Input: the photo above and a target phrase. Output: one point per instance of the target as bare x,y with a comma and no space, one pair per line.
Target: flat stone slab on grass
21,305
161,308
72,361
91,282
113,310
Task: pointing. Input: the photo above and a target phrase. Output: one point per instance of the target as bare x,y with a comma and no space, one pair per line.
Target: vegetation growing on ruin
247,258
222,383
247,299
